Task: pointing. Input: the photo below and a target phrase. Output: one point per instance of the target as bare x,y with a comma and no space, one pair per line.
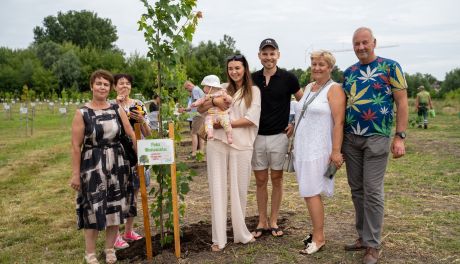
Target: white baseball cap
211,80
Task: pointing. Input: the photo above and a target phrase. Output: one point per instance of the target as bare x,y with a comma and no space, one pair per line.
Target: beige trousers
228,165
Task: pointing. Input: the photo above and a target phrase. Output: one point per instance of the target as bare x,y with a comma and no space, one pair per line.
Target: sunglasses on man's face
238,57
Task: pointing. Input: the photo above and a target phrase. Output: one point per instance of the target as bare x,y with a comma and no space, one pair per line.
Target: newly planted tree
168,26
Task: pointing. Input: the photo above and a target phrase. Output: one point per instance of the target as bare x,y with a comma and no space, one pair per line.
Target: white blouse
243,137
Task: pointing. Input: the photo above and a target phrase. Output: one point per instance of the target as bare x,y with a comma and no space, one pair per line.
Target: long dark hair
246,94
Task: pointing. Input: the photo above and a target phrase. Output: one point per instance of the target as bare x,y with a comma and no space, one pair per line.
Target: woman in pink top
232,161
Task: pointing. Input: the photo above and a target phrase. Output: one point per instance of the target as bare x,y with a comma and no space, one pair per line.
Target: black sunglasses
235,57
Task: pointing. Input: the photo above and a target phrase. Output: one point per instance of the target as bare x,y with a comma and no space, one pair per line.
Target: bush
453,95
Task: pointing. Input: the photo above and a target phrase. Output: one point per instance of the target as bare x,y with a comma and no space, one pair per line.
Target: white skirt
310,177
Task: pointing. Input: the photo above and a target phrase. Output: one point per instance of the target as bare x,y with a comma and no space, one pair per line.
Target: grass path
422,213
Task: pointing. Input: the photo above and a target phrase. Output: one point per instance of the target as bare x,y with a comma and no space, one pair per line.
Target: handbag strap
304,108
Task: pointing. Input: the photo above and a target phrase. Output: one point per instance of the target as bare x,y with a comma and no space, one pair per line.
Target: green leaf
184,188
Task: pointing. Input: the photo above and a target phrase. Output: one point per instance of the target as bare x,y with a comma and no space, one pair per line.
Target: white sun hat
211,80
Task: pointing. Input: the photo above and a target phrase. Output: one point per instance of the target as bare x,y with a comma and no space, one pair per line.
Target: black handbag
126,142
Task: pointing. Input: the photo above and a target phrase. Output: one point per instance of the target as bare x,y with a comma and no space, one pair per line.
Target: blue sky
424,36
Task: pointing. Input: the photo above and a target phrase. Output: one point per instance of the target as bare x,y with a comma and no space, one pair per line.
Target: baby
214,90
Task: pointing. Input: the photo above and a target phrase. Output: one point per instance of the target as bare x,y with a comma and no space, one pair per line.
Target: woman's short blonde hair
326,55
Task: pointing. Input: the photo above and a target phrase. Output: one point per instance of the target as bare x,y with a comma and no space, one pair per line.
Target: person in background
318,141
232,162
152,116
132,108
100,170
372,85
422,104
276,87
195,119
154,106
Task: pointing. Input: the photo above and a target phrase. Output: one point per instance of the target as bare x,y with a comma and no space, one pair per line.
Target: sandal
216,248
275,230
311,249
260,230
91,258
307,240
110,256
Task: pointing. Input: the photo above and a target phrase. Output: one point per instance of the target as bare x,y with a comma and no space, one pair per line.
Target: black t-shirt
276,100
153,107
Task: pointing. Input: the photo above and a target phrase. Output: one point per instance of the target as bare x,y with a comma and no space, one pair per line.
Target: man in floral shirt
372,85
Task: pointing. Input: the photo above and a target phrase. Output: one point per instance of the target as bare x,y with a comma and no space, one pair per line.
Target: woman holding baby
232,162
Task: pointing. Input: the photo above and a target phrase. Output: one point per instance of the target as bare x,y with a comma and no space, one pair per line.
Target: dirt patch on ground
196,239
429,144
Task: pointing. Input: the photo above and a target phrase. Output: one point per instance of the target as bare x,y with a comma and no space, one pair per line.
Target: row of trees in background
48,69
71,45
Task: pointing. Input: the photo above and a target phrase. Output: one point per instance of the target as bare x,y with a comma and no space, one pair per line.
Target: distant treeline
71,45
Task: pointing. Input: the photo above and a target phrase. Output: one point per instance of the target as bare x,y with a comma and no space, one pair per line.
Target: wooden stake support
145,207
174,199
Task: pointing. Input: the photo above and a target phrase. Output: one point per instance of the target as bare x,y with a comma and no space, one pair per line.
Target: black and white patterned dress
105,192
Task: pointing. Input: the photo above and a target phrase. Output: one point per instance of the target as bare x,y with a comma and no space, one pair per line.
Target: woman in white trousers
229,165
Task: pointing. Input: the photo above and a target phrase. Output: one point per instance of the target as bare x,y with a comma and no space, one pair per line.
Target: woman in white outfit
318,141
232,163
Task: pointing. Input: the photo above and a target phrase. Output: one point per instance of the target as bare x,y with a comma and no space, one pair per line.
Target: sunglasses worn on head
235,57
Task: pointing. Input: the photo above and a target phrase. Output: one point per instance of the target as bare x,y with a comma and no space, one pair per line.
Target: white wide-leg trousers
228,165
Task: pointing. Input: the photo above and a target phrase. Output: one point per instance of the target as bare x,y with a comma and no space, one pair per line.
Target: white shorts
269,152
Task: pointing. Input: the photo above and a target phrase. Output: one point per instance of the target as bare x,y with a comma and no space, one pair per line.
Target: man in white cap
276,86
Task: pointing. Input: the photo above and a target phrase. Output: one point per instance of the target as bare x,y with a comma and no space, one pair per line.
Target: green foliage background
69,46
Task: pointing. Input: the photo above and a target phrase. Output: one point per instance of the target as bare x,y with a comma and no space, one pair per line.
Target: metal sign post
7,109
24,111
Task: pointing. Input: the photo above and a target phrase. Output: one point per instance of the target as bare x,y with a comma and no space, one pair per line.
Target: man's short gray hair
364,29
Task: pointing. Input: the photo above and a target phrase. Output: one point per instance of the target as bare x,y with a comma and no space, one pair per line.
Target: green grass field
422,213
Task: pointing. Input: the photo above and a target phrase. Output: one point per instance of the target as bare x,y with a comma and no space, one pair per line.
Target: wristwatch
401,134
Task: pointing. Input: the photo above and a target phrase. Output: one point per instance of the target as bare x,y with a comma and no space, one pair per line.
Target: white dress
313,144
